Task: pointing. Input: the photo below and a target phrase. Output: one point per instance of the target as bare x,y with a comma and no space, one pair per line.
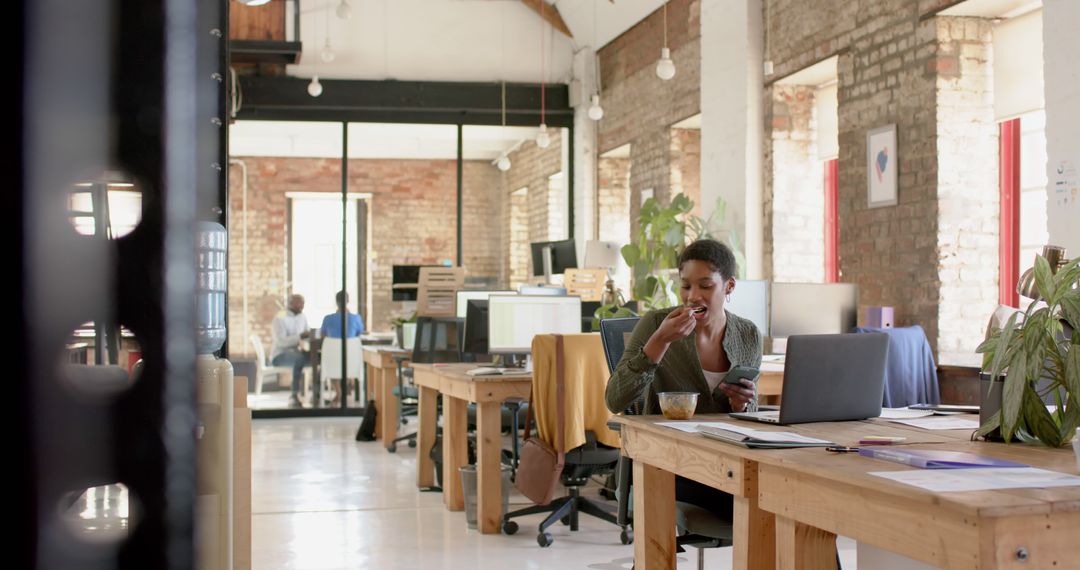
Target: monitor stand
514,360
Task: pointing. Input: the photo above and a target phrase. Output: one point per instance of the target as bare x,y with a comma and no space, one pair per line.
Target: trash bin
468,488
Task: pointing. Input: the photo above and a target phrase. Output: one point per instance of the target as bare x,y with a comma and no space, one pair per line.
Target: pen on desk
842,449
880,440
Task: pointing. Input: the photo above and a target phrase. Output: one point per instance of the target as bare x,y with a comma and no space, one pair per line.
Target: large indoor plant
1037,351
661,235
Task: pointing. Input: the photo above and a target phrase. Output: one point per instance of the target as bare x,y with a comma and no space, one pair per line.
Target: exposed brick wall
613,187
519,264
795,197
896,68
411,215
531,167
639,107
685,161
967,182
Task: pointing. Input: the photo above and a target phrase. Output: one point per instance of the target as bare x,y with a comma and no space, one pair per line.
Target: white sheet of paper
951,480
963,421
904,413
692,426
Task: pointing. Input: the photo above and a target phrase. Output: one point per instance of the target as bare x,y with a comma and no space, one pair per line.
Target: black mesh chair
437,340
696,526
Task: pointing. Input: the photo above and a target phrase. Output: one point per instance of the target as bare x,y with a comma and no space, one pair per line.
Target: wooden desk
770,383
382,373
791,504
458,389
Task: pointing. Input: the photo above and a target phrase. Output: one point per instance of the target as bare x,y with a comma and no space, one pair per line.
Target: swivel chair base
563,509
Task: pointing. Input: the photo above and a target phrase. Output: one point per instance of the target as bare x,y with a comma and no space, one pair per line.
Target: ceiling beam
550,15
432,102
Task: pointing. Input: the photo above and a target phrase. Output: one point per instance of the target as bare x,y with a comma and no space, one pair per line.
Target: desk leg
455,450
754,536
489,461
376,377
799,546
425,437
654,518
389,411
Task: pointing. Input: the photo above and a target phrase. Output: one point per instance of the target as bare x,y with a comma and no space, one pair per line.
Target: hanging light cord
665,23
542,89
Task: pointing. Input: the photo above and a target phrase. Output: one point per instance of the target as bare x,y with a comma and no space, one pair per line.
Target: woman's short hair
716,254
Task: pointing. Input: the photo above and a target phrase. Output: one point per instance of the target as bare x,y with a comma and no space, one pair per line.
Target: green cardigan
637,378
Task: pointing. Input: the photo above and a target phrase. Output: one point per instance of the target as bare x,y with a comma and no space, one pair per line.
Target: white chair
330,363
263,367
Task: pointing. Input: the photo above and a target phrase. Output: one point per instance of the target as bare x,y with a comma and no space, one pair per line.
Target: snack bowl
678,405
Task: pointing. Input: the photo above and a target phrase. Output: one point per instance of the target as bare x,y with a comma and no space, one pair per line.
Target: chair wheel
412,443
392,448
544,539
404,421
510,527
626,536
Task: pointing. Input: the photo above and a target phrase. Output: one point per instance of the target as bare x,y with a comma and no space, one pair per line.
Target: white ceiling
455,40
371,140
992,8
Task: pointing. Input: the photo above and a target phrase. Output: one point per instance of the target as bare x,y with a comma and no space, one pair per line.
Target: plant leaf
1004,339
1039,421
1072,371
1013,395
1044,278
1070,307
992,423
631,254
675,234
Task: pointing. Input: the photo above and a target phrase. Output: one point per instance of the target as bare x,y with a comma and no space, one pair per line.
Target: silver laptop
830,377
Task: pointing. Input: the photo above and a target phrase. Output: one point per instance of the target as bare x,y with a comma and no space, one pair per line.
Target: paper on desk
941,422
772,436
904,413
982,479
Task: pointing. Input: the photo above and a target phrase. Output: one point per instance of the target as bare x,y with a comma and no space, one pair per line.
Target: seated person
331,324
689,349
288,328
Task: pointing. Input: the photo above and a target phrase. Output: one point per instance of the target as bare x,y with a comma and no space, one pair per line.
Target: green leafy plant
1037,349
661,235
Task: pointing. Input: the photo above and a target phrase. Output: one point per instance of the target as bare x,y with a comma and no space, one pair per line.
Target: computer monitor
476,327
563,256
750,300
513,320
603,254
466,295
812,308
542,290
438,339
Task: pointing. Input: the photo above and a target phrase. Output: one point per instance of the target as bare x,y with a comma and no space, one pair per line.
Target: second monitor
513,320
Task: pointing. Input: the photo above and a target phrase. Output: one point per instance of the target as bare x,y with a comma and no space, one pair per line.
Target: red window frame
1009,219
832,223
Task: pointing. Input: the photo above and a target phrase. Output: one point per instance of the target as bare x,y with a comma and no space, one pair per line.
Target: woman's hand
738,394
676,325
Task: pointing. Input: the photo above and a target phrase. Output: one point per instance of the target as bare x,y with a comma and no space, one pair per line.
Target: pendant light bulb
596,112
314,88
327,54
344,11
543,140
503,163
665,68
253,2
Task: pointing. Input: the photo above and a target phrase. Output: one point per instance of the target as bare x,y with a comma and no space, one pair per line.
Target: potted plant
403,326
661,235
1039,355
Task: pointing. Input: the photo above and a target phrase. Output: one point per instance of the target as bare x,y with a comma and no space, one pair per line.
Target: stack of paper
747,437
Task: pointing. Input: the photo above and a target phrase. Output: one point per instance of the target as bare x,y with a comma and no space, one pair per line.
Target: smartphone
739,372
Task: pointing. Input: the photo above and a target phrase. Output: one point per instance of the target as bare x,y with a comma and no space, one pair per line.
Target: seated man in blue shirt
331,324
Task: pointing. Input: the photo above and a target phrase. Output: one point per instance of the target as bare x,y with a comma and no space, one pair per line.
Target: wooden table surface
790,504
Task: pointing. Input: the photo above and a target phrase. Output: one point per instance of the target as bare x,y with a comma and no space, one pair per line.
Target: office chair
696,526
910,372
586,452
437,340
330,364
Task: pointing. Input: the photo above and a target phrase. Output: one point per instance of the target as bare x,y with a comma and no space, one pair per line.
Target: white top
713,378
286,331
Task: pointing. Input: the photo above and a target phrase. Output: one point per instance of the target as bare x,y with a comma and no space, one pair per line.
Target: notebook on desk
496,371
830,377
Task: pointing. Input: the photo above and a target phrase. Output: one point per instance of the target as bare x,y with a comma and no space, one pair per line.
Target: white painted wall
732,118
1061,54
585,206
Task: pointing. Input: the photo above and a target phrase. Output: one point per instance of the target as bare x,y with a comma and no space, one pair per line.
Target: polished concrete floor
323,501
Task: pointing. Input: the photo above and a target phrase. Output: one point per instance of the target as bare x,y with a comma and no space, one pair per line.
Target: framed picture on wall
882,163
